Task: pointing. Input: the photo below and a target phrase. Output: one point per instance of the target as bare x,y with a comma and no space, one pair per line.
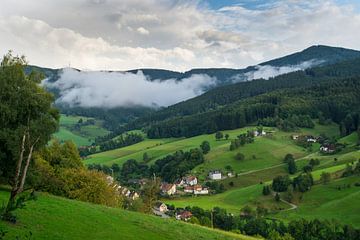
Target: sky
172,34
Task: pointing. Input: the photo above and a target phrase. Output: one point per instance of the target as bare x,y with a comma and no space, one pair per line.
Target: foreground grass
57,218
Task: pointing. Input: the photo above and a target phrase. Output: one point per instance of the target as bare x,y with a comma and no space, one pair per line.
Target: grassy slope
233,200
65,135
56,218
85,136
327,202
268,151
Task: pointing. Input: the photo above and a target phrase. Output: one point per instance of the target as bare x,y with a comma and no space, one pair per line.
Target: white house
215,175
257,133
328,148
168,188
191,180
180,182
201,191
189,189
161,207
311,139
295,137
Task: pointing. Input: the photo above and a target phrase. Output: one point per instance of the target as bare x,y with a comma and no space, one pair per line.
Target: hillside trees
219,135
27,120
292,166
205,147
58,169
281,183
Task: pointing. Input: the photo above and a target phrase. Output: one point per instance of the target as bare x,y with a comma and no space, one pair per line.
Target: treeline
169,168
252,222
121,141
118,142
112,117
286,109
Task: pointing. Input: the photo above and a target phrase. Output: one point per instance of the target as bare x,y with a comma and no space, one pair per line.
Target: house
257,133
191,180
328,148
189,189
168,188
184,215
230,174
295,137
180,182
109,179
134,195
215,175
161,207
311,139
201,191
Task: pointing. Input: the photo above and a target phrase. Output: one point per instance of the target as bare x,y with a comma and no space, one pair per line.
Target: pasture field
82,136
54,218
266,151
65,135
328,202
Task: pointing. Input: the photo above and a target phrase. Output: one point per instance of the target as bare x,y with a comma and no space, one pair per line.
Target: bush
240,156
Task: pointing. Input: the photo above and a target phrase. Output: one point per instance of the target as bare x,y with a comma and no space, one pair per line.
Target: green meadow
51,217
329,202
83,136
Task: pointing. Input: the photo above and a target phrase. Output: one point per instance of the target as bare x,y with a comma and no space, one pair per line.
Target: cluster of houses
328,148
307,138
161,209
189,185
324,148
123,190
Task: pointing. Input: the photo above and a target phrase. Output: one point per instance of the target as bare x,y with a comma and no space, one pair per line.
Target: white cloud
267,71
112,89
177,35
143,31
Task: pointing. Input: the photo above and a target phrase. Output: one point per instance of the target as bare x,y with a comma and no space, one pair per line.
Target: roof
158,204
215,172
185,214
166,186
190,178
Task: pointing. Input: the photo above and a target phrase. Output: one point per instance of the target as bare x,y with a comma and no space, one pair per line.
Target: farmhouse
189,189
184,215
180,182
215,175
161,207
201,191
168,188
295,137
328,148
258,133
310,138
191,180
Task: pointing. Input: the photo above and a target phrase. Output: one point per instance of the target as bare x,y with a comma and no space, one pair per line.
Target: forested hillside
288,108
